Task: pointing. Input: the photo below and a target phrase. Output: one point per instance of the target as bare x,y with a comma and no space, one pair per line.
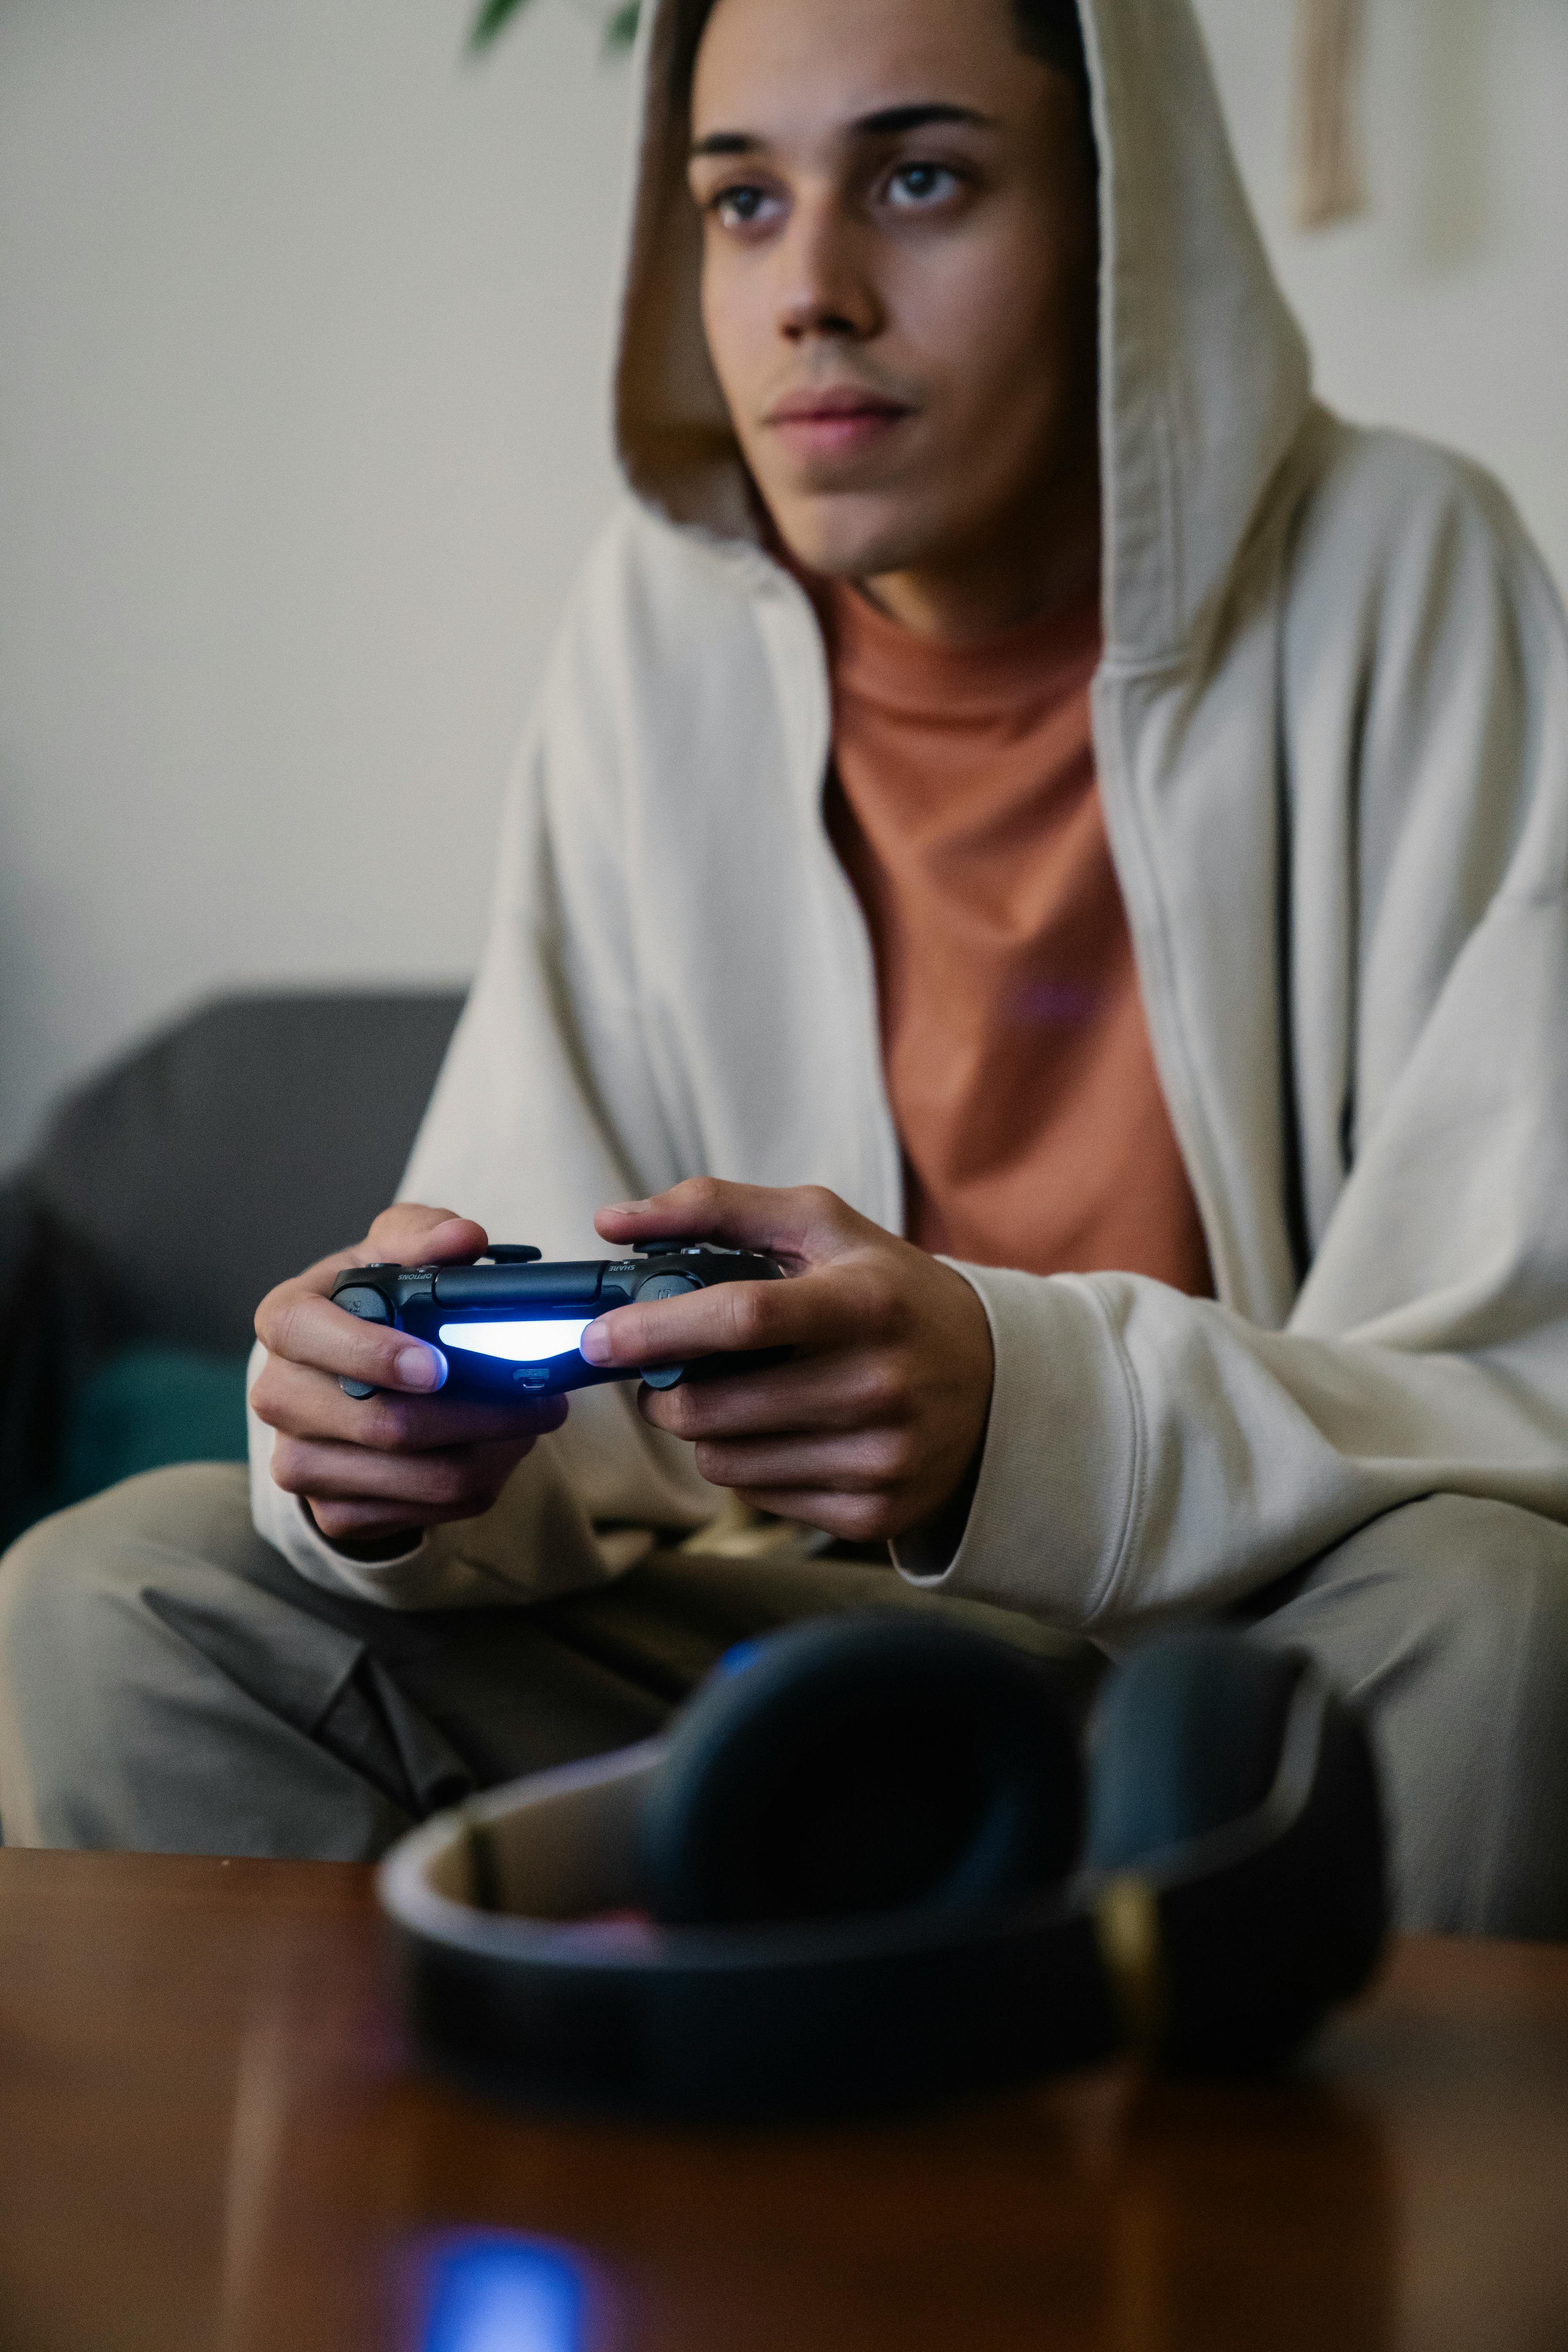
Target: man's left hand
875,1422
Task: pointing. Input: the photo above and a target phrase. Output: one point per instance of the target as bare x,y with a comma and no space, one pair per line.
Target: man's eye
920,184
739,207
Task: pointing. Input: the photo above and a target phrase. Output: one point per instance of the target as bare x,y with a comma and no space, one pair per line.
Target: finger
457,1484
360,1522
303,1402
410,1234
843,1390
349,1523
830,1309
869,1462
799,1223
853,1519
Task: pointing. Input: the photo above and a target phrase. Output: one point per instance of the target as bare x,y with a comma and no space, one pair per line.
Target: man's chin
850,538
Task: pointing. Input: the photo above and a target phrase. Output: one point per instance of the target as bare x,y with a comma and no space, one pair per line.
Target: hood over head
1205,378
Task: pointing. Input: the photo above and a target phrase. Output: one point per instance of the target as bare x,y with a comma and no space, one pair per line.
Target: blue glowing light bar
515,1343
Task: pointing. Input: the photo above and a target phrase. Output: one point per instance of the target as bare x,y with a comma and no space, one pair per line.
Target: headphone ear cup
858,1764
1186,1736
1264,1929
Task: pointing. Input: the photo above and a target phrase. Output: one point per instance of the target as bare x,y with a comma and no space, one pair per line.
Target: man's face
899,274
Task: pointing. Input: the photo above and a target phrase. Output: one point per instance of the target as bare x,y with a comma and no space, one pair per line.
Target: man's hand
374,1467
876,1422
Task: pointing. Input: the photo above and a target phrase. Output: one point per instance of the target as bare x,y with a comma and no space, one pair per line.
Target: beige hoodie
1331,726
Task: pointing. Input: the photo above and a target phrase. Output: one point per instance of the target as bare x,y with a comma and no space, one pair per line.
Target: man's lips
832,418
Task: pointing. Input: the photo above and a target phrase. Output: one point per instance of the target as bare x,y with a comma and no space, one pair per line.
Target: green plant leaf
621,30
494,18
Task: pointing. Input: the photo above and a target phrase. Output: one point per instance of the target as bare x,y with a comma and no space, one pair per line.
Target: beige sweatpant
168,1682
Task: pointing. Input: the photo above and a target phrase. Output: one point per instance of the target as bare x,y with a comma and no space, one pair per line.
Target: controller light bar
515,1343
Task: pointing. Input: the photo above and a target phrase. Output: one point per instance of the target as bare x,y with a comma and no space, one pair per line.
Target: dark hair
1047,29
1050,30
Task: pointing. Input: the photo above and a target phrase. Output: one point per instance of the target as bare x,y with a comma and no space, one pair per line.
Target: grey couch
164,1197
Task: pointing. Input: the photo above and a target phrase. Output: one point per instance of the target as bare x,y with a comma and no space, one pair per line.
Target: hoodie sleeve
545,1108
1150,1452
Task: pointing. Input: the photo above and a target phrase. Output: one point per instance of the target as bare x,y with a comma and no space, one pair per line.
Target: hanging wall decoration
1330,177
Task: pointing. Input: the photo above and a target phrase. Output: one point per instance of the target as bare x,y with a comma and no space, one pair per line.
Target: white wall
302,324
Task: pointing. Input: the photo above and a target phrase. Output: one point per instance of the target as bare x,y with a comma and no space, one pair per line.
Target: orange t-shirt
965,807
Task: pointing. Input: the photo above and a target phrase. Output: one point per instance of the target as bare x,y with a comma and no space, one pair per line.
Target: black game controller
512,1323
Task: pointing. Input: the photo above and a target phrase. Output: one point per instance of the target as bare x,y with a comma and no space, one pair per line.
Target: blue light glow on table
492,2292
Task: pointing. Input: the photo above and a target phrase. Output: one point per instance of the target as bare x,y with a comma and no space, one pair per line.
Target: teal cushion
148,1406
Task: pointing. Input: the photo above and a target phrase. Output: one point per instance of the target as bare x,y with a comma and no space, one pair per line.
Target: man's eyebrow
892,121
887,122
726,142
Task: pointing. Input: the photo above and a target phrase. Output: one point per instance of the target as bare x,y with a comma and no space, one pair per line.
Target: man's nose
828,287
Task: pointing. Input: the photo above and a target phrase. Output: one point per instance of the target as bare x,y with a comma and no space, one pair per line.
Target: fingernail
421,1367
626,1208
595,1344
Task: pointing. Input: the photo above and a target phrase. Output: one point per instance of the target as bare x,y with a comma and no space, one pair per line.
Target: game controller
511,1324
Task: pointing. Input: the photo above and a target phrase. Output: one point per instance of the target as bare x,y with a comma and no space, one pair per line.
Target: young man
1039,825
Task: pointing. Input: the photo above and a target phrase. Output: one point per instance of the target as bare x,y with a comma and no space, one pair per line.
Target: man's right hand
373,1468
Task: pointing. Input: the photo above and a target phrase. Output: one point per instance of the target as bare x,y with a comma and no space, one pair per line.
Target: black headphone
868,1866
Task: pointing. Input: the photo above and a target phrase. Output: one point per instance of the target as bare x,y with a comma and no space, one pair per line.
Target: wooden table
211,2134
